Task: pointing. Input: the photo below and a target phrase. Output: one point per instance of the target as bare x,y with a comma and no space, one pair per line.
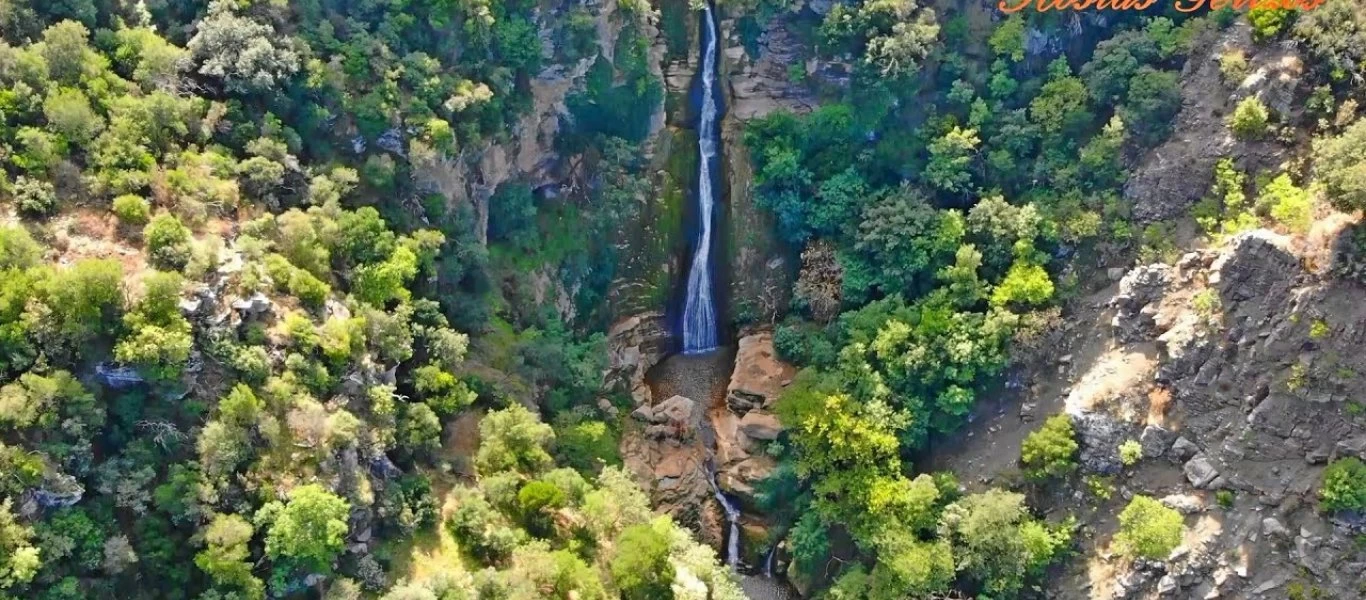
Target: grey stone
1272,527
1167,585
1183,449
1200,471
256,304
1155,440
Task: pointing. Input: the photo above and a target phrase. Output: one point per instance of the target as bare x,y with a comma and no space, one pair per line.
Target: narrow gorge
705,380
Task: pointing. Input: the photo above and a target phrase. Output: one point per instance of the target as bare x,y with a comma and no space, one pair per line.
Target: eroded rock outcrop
1176,174
1249,397
669,455
634,346
747,420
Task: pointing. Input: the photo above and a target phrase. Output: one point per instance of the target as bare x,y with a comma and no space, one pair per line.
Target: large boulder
759,375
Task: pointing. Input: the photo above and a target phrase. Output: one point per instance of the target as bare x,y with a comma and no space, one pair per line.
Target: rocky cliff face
1251,389
1168,180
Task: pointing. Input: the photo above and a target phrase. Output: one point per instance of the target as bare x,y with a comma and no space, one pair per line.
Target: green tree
309,528
951,156
904,240
996,542
226,558
911,568
1148,529
536,502
1051,450
69,113
158,339
18,250
245,54
168,242
1341,165
19,558
81,302
445,394
1250,119
1025,284
513,439
1154,98
641,566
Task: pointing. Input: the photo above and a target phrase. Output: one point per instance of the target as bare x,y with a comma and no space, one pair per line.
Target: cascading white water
732,524
699,309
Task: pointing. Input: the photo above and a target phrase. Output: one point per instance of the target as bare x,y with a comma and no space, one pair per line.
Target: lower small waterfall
732,524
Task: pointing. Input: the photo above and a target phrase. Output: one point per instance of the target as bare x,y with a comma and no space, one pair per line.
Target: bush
1233,66
1130,452
1340,161
1287,203
17,248
1267,23
1344,485
1250,120
1148,529
168,242
132,210
1050,451
641,566
34,197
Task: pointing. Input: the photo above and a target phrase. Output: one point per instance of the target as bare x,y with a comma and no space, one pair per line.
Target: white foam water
699,308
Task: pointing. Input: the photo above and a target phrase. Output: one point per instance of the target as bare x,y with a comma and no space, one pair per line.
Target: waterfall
732,524
768,561
699,309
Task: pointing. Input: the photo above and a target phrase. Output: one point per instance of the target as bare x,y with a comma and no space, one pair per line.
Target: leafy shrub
1250,119
18,250
1344,485
34,197
1130,452
1268,23
1287,203
132,210
168,242
1050,451
1224,498
641,566
1233,66
1148,529
1340,162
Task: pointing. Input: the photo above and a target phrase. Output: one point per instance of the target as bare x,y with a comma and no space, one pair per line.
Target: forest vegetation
270,150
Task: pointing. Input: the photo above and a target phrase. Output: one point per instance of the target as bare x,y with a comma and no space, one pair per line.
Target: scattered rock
1185,504
1272,527
1200,471
1099,436
1183,449
256,304
761,425
1155,440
